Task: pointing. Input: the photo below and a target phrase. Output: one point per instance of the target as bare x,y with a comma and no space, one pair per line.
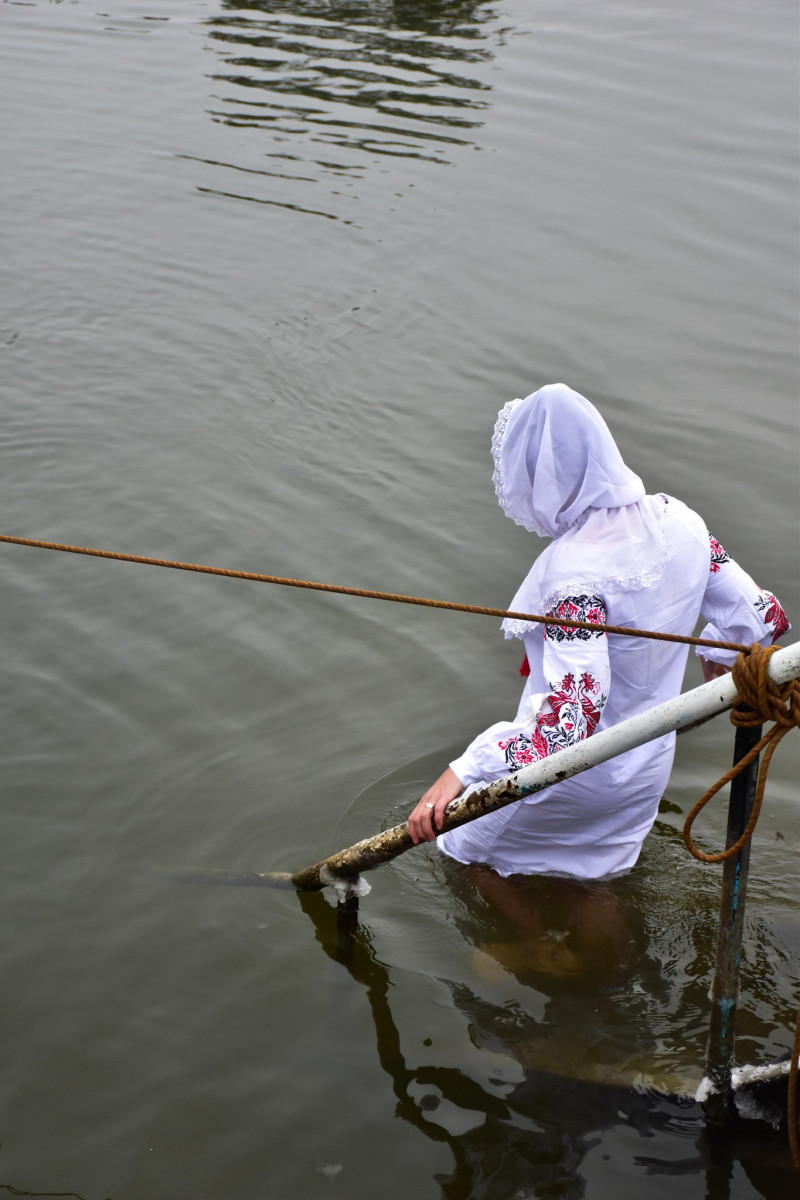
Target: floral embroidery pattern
719,555
774,615
575,711
582,608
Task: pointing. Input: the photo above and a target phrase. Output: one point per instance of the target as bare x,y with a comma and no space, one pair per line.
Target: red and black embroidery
591,609
773,613
575,711
519,752
719,555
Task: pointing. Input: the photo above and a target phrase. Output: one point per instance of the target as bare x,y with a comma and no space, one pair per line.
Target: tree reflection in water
338,84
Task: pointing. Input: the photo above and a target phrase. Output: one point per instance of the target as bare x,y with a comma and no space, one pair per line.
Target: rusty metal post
725,988
346,928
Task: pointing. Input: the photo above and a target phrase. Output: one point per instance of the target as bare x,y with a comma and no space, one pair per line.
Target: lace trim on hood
498,478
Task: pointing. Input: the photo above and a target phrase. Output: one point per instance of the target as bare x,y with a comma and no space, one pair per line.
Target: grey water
269,270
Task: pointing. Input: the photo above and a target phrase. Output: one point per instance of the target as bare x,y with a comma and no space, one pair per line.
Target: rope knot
759,699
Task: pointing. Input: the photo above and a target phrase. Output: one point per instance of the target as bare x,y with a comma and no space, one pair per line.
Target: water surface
270,270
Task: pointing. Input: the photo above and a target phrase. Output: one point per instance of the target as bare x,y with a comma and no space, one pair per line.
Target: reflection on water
338,87
584,1011
532,1138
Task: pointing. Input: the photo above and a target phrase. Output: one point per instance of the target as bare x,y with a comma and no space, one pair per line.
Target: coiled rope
371,595
759,700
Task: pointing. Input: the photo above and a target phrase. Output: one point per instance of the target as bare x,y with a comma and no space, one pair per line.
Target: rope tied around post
759,700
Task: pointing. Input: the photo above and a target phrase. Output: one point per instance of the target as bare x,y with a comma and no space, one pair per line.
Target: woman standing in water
620,557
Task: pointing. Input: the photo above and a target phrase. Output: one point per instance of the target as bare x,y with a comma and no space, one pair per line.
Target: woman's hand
712,670
426,819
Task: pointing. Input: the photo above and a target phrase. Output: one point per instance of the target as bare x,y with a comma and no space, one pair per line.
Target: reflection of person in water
619,557
532,1137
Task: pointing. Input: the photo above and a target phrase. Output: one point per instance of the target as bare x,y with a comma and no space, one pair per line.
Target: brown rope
370,595
758,700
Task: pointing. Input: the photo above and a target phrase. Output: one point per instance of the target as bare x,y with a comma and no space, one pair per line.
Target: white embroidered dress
617,557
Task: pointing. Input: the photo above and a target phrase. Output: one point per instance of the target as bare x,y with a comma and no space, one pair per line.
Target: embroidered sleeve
589,609
772,614
576,668
737,609
573,710
719,554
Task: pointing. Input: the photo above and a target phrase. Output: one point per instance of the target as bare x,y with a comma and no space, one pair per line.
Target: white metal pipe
704,701
685,710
